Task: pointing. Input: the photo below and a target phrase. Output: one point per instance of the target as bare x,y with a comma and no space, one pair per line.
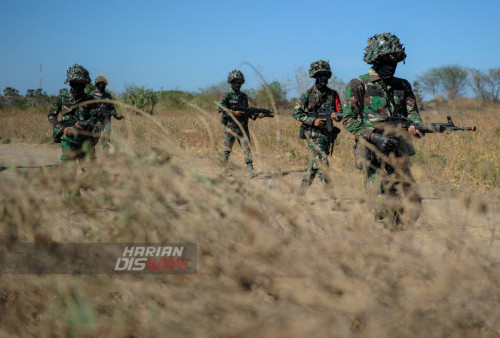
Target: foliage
417,89
208,97
9,91
174,99
268,94
141,98
452,80
486,85
89,88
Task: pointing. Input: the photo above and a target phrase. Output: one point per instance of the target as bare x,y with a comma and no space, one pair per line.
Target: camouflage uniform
369,100
231,100
318,142
105,119
78,145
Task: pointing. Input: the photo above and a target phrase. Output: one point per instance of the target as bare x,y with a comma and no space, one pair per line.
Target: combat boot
251,170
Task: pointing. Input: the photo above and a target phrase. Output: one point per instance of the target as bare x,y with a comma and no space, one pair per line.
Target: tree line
445,82
453,81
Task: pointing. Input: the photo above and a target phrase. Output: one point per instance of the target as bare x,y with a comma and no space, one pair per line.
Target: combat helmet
319,66
77,73
384,46
101,79
235,75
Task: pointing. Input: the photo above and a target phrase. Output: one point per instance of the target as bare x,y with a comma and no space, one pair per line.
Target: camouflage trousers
400,201
106,134
76,148
231,133
318,145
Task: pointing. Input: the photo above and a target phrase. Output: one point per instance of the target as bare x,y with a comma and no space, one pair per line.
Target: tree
89,88
141,98
430,82
302,80
36,93
273,90
174,99
452,80
208,97
417,91
479,81
338,85
9,91
494,83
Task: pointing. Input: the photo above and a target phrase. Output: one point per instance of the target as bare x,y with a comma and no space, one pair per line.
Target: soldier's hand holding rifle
319,122
336,118
414,131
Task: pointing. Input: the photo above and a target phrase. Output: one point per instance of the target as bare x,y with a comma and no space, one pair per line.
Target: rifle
402,146
254,112
105,113
333,132
89,129
405,123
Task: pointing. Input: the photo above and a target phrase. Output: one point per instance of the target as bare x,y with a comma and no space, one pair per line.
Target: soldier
226,106
75,130
319,140
106,110
383,155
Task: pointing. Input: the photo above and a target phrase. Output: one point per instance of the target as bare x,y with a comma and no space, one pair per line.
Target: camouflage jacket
370,100
83,112
108,106
231,100
311,100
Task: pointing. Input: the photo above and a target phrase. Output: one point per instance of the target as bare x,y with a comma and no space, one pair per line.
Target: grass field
270,263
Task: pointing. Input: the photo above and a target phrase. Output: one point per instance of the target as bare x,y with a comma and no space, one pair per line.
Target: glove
383,143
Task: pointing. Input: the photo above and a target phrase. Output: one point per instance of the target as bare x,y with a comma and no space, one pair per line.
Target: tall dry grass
270,263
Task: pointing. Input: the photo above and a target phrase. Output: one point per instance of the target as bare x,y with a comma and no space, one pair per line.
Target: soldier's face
101,86
386,69
322,80
236,85
77,87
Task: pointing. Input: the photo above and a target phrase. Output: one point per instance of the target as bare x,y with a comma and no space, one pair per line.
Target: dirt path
28,155
484,226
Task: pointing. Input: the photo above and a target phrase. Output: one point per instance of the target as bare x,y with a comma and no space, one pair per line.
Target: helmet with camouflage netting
319,66
384,46
235,75
77,73
101,79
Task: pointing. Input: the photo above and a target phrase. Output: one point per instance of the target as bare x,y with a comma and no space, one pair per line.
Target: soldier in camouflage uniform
106,110
318,140
227,104
382,155
76,141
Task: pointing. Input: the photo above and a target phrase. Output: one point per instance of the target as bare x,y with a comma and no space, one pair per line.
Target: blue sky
189,45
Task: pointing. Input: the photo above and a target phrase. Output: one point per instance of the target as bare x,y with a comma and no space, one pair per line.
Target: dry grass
269,263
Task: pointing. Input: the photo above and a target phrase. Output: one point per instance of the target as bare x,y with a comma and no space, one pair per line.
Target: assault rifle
254,112
333,132
89,129
105,113
405,123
